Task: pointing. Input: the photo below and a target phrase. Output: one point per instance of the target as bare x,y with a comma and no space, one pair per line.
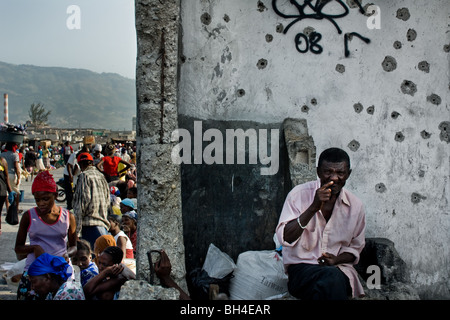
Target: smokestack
5,104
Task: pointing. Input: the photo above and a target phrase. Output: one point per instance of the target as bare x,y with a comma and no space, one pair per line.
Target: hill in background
77,98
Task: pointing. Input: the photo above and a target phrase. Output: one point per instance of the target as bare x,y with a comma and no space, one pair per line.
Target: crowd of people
87,249
321,229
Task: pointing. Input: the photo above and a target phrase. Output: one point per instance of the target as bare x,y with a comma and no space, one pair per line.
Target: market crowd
85,250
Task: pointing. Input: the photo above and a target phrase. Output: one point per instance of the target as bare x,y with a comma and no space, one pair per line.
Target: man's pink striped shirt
344,232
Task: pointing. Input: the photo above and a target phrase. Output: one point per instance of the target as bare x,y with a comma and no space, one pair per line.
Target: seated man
321,229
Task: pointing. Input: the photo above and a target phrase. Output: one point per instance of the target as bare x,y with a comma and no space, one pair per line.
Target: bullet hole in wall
380,187
445,128
389,64
240,92
308,30
395,115
305,108
314,101
279,28
399,137
262,63
416,197
261,6
358,107
354,145
424,134
434,99
447,48
226,18
408,87
403,14
397,45
340,68
411,35
424,66
269,37
205,18
370,110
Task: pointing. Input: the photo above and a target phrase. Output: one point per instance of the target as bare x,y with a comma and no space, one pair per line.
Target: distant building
76,135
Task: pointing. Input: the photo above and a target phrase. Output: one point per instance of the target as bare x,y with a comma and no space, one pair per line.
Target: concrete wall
159,193
386,103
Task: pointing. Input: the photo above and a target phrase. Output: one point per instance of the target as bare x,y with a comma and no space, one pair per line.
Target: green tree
38,115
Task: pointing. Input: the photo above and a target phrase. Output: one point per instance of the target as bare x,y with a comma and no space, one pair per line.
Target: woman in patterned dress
50,277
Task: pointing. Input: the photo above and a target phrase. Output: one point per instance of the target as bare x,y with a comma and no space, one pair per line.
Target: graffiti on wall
317,9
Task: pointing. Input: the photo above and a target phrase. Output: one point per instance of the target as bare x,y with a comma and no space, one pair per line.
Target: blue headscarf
46,263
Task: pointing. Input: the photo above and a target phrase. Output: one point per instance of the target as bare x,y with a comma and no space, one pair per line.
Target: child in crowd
83,259
115,200
129,226
113,274
132,193
101,244
128,205
121,238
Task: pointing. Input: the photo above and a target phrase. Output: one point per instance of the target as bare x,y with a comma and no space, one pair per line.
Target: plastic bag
14,273
217,269
12,216
217,263
259,275
200,282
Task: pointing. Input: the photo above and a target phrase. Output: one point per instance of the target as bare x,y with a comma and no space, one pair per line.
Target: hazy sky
38,32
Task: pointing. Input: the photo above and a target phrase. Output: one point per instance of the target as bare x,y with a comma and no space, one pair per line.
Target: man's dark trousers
316,282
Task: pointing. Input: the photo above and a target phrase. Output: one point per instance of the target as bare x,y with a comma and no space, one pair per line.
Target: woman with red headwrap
51,229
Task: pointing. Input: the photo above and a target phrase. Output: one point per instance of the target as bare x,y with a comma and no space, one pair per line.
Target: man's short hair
334,155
